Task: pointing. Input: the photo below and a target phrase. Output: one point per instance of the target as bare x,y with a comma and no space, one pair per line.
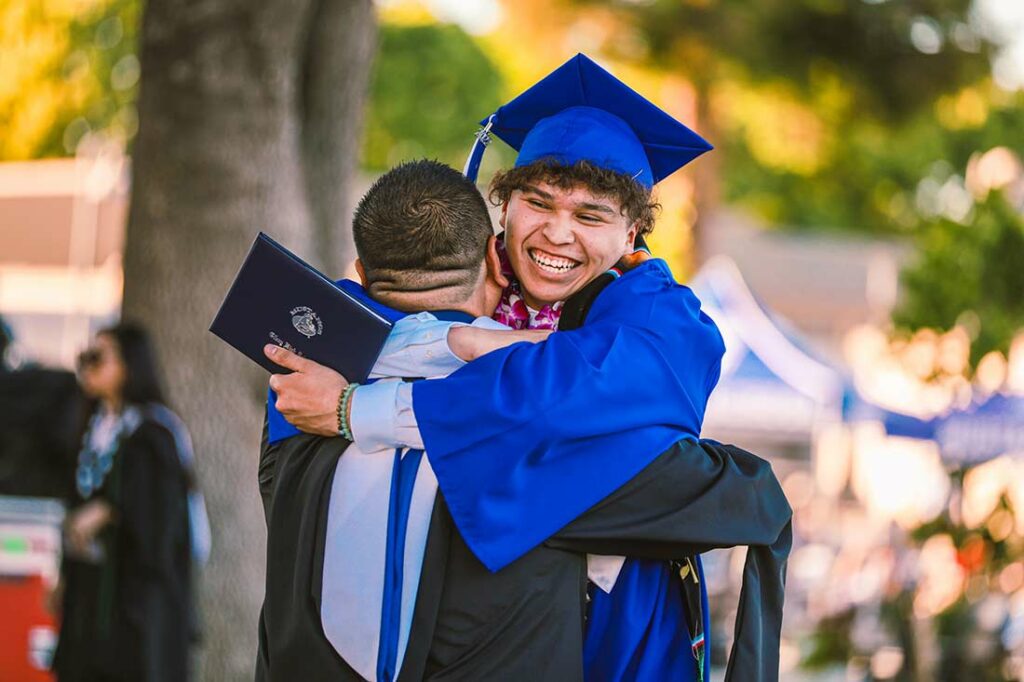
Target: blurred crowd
104,443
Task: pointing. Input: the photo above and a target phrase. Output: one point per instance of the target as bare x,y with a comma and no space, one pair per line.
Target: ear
502,217
631,234
492,262
361,271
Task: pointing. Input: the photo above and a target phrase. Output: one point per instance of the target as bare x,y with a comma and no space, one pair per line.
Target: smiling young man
525,440
571,224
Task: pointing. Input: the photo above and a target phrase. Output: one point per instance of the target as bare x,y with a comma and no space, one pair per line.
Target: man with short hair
425,242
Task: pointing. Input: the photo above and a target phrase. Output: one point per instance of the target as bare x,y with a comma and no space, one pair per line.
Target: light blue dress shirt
382,417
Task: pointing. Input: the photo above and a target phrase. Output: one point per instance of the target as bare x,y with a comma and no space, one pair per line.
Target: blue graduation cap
581,112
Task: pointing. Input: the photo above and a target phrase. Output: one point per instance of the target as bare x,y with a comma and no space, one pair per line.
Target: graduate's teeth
552,263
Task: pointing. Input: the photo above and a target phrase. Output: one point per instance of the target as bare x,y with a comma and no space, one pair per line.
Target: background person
126,607
39,419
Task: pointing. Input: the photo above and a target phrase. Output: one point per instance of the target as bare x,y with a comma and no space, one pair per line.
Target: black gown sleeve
152,497
692,498
154,594
295,478
267,469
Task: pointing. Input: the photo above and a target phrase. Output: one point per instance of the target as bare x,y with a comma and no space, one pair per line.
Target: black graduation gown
127,617
525,621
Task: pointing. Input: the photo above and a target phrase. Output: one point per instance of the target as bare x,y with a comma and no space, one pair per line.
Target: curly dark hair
635,199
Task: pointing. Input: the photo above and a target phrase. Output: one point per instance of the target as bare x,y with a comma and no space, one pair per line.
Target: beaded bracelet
344,427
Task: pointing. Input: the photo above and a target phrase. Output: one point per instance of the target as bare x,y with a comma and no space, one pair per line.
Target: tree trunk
707,185
332,114
232,99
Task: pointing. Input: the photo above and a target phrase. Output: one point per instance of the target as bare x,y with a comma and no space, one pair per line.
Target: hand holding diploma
308,397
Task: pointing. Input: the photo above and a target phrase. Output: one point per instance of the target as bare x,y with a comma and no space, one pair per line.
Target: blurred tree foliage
826,113
430,84
870,182
67,68
973,268
867,45
70,67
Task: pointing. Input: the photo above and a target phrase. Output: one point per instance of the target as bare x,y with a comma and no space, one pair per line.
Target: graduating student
126,575
547,450
422,233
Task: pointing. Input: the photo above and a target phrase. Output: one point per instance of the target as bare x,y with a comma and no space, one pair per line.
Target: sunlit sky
475,16
1003,22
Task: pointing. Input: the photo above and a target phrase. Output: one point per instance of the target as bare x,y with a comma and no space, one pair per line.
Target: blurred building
61,239
825,285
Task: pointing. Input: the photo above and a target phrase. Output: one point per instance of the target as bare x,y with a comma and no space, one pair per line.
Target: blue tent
984,430
772,383
899,424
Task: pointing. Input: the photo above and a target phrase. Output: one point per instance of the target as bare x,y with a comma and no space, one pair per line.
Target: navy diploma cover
279,298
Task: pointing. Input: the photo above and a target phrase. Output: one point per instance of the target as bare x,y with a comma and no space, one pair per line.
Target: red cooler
30,543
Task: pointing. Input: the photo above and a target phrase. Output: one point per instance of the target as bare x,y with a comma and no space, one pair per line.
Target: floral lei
512,310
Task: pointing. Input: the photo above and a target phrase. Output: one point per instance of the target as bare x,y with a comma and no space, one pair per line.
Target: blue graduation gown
568,421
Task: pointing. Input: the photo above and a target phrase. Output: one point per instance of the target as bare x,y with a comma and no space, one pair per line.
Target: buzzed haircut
421,226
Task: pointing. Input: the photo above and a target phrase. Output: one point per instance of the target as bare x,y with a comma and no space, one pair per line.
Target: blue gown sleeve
527,438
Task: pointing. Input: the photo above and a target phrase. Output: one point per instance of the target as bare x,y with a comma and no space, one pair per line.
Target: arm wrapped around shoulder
569,420
696,496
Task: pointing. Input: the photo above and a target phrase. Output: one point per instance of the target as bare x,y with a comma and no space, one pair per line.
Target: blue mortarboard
581,112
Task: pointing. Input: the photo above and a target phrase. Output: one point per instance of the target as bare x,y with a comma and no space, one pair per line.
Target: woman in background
126,606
